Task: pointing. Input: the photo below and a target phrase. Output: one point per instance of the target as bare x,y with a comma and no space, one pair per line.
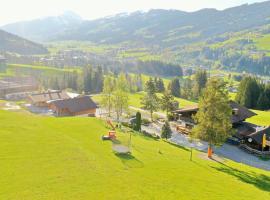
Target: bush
166,131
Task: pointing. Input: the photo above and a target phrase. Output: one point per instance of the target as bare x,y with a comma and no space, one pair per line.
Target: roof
258,135
77,104
48,96
242,112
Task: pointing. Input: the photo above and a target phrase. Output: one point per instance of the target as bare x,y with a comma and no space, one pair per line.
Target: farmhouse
74,106
43,99
249,135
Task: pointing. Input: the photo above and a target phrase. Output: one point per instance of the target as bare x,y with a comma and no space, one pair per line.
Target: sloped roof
48,96
242,114
258,135
76,104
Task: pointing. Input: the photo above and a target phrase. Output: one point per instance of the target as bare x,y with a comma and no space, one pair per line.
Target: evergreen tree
150,101
200,80
248,92
166,131
138,121
214,116
263,101
167,102
175,87
87,79
187,89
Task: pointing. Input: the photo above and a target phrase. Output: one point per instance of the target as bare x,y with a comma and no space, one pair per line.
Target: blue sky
17,10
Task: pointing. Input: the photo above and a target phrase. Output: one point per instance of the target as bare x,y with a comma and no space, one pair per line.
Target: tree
138,121
214,116
263,101
87,79
166,131
159,84
174,87
120,96
150,101
107,97
248,92
167,102
187,89
200,80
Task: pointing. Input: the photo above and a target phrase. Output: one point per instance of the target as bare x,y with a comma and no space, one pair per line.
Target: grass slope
64,158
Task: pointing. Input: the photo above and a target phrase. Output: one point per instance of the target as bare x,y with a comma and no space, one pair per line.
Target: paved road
238,155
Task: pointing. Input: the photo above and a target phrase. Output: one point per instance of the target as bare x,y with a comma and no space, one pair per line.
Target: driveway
234,153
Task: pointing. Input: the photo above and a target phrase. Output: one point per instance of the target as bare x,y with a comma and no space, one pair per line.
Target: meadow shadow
260,181
129,160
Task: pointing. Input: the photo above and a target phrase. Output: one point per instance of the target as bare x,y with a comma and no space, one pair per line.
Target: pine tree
175,87
248,92
167,102
166,131
150,101
200,80
138,121
214,116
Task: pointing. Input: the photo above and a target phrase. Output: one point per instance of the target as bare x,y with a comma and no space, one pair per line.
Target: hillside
52,158
156,27
15,44
43,28
170,27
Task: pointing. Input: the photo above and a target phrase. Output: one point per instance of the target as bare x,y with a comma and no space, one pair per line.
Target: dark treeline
238,61
254,94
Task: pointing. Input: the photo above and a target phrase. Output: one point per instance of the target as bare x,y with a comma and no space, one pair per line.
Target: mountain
15,44
156,27
44,28
170,27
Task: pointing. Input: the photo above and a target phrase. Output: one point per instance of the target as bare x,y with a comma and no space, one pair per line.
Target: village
250,139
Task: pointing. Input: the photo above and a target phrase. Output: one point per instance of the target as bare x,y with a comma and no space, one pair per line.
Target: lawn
135,100
262,118
65,158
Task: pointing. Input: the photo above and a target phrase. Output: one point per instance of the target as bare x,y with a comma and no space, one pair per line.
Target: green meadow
65,158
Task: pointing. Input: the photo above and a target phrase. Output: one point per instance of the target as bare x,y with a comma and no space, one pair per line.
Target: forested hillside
15,44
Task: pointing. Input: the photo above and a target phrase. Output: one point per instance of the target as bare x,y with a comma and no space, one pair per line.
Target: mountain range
155,27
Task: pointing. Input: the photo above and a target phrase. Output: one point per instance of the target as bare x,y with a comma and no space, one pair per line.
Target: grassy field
65,158
135,100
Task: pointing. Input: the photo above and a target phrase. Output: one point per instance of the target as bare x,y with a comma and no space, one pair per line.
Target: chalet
82,105
246,134
3,64
43,99
185,115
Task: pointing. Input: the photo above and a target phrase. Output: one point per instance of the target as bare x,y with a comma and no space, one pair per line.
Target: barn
82,105
43,99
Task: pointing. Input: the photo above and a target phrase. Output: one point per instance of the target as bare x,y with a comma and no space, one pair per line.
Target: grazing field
65,158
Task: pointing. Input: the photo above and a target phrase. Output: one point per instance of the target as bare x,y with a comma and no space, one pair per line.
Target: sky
18,10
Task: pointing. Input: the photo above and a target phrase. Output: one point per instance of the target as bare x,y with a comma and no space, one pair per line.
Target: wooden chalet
81,105
43,99
185,115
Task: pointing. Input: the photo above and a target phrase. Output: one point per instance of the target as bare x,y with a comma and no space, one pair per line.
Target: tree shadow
260,181
178,146
129,160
